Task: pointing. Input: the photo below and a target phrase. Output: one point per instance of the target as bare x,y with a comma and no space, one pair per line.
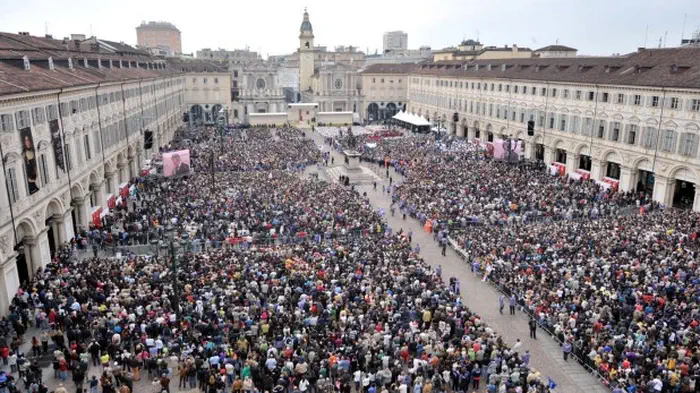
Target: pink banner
176,163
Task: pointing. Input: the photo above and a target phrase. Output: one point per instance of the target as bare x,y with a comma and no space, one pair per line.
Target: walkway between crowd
481,297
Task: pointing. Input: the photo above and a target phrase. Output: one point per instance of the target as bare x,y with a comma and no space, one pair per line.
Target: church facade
330,79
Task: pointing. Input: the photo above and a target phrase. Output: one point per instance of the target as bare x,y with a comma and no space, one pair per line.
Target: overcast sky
595,27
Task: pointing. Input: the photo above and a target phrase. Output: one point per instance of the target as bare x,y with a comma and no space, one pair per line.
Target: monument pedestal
352,170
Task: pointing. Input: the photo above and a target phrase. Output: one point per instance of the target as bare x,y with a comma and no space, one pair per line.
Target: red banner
112,202
96,220
585,175
124,190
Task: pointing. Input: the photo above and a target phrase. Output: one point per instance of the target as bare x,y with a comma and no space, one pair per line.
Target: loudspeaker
531,127
147,139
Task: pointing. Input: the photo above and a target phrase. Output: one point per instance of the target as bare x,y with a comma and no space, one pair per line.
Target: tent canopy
412,119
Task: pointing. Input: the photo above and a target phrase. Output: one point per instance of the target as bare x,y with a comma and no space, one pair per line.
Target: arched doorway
372,111
53,219
197,114
24,247
684,188
390,110
215,111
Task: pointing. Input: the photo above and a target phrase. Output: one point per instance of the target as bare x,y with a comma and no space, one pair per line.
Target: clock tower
306,53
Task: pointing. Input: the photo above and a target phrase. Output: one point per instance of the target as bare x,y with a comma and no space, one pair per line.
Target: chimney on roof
70,63
641,48
27,65
49,36
51,66
515,48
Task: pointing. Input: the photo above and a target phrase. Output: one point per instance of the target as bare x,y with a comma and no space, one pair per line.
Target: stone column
597,169
59,230
530,149
664,189
572,162
121,168
98,195
548,155
628,178
5,297
80,206
132,168
696,200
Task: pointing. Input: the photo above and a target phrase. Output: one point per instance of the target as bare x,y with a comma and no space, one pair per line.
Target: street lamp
170,233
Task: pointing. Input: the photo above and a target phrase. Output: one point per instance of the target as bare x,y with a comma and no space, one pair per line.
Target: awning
412,119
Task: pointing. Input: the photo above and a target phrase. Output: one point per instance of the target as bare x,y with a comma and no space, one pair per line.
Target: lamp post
170,232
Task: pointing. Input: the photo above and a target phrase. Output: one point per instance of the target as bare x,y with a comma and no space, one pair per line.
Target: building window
216,80
507,88
620,98
655,101
637,99
43,170
543,91
615,134
591,95
650,137
578,94
69,160
566,93
533,90
381,80
500,87
492,87
22,118
554,92
632,134
669,141
689,145
52,112
11,179
6,124
194,80
86,142
204,80
38,115
605,97
695,105
515,89
674,102
601,129
562,123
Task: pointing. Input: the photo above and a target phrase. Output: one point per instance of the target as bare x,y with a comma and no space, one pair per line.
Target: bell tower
306,53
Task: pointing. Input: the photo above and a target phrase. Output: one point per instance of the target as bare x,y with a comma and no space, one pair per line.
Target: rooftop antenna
557,41
46,28
477,36
665,35
660,39
683,31
646,36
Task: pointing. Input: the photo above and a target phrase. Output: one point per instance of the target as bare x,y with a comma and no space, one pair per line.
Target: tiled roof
403,68
672,67
557,48
15,79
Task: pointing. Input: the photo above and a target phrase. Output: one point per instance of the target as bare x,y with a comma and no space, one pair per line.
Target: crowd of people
250,149
613,275
283,284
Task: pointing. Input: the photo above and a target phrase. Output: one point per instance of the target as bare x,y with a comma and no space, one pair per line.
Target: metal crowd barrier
579,357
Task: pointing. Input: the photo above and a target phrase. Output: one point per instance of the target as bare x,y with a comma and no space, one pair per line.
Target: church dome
306,25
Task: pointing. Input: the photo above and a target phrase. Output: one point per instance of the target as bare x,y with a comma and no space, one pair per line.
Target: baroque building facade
74,129
631,121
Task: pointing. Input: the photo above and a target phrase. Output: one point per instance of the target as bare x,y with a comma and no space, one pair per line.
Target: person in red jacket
5,353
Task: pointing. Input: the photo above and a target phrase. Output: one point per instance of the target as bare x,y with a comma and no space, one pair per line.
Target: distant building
232,57
395,40
475,50
556,51
159,34
402,56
